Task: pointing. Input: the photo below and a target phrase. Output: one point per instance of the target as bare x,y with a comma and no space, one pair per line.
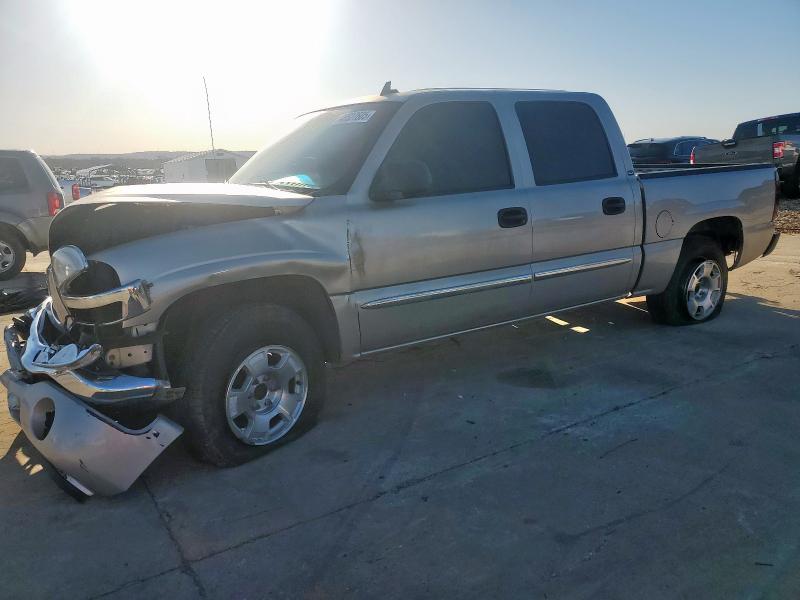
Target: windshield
323,153
773,126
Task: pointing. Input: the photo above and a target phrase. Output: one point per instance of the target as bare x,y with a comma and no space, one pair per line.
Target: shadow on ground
24,291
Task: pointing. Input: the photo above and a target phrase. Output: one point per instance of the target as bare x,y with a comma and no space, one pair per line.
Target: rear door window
461,144
566,142
12,176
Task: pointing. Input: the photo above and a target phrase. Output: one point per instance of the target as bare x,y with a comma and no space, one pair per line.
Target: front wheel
255,379
696,292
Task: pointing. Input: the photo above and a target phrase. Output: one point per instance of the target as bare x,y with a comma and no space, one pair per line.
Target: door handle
614,205
515,216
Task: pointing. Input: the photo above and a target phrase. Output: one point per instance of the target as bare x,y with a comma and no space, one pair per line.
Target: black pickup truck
775,139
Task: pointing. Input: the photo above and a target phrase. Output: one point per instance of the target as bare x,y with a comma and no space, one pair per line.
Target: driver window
459,144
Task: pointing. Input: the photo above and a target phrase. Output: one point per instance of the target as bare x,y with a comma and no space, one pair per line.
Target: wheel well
302,294
726,231
13,230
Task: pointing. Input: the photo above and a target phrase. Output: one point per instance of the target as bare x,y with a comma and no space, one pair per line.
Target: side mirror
728,143
401,179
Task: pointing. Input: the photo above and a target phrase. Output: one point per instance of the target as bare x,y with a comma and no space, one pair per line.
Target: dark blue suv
666,151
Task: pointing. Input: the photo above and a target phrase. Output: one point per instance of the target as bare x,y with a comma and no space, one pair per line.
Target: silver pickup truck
373,225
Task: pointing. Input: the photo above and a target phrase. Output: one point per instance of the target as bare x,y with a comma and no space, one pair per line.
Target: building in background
208,166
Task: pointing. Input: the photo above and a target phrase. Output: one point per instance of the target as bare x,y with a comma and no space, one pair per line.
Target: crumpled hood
127,213
220,194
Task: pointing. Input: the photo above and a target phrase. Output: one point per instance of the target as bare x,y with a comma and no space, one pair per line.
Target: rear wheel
12,253
254,379
696,292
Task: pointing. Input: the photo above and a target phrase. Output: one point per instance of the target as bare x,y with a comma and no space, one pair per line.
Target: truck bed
671,205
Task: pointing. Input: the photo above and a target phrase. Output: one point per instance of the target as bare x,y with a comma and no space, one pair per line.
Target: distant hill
152,159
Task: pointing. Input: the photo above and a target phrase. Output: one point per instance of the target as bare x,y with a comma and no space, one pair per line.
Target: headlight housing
90,292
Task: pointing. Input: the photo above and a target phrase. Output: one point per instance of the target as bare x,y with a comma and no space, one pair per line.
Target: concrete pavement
592,455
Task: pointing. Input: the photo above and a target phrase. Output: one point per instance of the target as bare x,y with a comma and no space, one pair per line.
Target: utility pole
208,106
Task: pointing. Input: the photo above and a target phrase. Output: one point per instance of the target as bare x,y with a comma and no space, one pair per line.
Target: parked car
665,151
373,225
29,199
774,140
101,182
71,189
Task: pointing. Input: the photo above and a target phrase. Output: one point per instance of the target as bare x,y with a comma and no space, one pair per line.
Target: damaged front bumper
55,399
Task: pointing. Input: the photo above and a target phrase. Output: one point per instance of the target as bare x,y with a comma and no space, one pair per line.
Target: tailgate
749,150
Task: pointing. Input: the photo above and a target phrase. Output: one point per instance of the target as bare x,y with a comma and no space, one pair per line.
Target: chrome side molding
580,268
447,292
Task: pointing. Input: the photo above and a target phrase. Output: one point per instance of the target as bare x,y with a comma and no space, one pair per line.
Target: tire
213,366
13,253
672,306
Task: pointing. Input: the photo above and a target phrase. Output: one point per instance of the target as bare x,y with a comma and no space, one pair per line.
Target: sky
95,76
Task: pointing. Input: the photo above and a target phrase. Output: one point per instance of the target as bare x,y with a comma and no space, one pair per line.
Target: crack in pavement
132,583
422,479
186,566
618,446
574,537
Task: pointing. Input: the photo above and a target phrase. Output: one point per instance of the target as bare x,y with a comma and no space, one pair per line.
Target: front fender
179,263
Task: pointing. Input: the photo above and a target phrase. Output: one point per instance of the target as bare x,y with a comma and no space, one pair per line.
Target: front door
453,253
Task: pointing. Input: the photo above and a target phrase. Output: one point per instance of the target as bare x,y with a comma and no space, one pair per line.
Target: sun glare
259,58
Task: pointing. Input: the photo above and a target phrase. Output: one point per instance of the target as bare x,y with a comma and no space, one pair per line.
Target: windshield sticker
356,116
299,181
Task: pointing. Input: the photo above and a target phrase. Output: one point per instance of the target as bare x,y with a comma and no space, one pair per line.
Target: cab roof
396,96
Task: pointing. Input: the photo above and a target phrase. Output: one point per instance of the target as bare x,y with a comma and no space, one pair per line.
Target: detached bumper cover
95,454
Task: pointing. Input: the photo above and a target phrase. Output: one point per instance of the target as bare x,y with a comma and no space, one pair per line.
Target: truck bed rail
657,171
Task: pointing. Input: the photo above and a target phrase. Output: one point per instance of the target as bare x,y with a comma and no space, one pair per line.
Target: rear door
582,204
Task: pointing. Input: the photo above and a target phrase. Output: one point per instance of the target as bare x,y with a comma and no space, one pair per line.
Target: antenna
208,106
387,89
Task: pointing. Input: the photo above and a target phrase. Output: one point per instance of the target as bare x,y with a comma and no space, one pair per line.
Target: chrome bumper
92,452
63,363
133,299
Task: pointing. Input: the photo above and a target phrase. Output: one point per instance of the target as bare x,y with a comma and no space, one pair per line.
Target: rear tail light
76,191
691,158
55,202
777,149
